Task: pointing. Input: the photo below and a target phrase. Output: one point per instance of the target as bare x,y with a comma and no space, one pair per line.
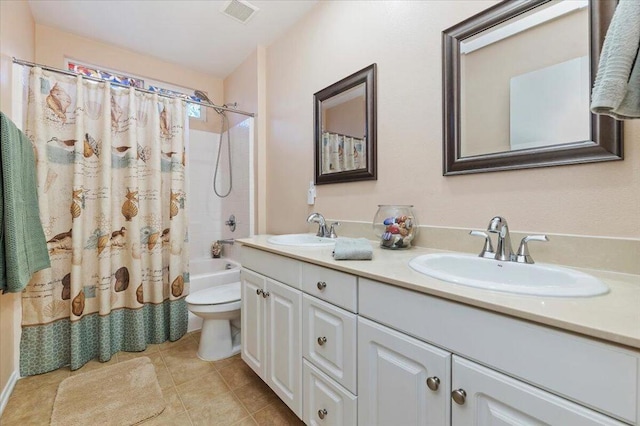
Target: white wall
208,212
240,200
204,209
246,85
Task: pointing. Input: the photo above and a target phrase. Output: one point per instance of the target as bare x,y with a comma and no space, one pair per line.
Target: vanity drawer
335,287
325,401
329,340
280,268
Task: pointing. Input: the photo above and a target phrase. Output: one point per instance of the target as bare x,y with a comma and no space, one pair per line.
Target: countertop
613,317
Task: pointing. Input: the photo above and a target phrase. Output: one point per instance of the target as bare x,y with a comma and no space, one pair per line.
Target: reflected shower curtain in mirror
111,189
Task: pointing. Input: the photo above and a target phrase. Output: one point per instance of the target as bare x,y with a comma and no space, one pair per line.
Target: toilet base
217,340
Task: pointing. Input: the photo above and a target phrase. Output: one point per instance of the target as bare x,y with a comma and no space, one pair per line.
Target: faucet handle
487,250
523,255
332,232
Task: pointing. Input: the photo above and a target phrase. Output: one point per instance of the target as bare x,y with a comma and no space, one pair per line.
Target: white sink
301,240
510,277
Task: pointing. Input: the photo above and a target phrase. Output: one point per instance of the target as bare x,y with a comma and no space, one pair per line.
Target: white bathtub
207,272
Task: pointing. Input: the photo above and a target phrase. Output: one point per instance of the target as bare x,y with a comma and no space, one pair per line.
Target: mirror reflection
525,83
344,128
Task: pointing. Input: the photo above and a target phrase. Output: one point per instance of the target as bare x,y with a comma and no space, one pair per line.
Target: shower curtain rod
61,71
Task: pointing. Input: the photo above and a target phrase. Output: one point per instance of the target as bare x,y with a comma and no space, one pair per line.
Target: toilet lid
225,293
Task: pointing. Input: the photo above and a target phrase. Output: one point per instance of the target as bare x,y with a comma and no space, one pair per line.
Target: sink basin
301,240
510,277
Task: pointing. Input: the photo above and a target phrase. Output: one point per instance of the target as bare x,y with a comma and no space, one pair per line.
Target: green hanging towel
23,246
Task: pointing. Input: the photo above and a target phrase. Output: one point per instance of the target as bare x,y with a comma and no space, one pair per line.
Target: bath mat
122,394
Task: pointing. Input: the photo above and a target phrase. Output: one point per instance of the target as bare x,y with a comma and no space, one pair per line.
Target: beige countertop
613,317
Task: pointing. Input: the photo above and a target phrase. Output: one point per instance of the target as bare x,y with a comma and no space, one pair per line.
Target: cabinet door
326,403
284,342
329,340
253,321
393,379
492,398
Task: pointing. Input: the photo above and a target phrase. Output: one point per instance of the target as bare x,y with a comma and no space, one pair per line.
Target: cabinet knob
322,340
321,285
433,383
459,396
265,294
322,413
259,291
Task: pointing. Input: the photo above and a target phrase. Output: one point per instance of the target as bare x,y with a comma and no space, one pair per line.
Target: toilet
219,308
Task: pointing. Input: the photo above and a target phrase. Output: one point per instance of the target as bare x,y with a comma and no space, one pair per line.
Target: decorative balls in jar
395,226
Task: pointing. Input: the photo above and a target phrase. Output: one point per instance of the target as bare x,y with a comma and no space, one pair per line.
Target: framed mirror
345,129
517,80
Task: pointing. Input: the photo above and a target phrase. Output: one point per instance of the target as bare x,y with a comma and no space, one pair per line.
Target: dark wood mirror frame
368,77
606,133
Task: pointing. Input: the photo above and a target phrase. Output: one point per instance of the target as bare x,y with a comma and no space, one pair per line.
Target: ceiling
193,33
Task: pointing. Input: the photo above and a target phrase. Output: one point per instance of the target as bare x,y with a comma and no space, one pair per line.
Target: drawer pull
265,294
459,396
322,413
433,383
321,285
259,291
322,340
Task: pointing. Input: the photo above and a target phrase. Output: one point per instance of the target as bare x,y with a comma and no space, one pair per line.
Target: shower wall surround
208,212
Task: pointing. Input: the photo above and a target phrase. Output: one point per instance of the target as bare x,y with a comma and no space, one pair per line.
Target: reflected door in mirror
525,83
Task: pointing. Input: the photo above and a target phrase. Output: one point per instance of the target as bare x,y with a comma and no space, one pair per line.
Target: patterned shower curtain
111,187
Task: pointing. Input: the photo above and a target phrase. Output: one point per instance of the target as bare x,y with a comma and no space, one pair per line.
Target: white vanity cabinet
253,321
485,397
271,343
534,372
401,380
325,402
279,328
346,350
329,340
329,308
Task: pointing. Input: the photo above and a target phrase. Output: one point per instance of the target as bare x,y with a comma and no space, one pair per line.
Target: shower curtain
111,189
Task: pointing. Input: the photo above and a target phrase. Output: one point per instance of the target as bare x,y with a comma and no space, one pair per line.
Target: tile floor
197,392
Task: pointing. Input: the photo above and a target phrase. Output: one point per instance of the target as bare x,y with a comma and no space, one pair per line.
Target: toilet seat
222,294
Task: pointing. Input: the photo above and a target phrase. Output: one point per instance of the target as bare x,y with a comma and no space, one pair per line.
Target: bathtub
207,272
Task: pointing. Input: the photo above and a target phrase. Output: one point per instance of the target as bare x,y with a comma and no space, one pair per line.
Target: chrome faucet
322,226
504,251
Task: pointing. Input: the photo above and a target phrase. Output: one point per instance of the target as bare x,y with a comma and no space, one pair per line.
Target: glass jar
395,226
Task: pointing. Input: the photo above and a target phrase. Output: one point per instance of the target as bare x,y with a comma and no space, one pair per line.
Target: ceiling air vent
239,10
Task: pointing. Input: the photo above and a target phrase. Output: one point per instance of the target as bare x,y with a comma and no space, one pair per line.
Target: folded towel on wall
23,247
352,249
616,91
